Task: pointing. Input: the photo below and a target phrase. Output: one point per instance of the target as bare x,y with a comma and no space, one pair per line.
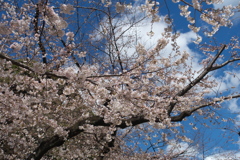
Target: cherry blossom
67,9
16,46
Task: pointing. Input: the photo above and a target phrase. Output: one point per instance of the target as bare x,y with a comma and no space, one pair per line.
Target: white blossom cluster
151,9
4,29
16,46
216,18
56,23
122,7
67,9
70,36
106,3
196,4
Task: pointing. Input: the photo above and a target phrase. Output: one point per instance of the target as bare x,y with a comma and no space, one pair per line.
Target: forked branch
208,69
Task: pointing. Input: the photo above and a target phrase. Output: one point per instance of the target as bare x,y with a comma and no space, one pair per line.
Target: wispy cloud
226,155
226,2
182,150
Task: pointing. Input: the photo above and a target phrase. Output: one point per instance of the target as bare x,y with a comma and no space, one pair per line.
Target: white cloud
182,149
228,155
226,2
237,122
233,106
186,150
232,78
227,81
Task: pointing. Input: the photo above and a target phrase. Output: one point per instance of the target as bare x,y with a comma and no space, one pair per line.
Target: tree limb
188,113
28,68
202,75
197,80
36,29
16,63
55,141
224,64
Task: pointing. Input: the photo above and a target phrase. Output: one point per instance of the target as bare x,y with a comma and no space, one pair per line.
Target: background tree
80,80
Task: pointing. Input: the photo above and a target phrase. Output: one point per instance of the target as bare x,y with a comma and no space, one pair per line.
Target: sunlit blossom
67,9
16,47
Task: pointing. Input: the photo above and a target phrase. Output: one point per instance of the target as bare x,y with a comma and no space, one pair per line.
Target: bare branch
36,29
224,64
16,63
202,75
30,69
188,113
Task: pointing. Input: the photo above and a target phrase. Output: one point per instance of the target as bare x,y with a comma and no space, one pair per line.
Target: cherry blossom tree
78,81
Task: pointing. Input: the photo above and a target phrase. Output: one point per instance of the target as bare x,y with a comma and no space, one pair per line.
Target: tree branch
224,64
197,80
188,113
202,75
36,29
55,141
16,63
